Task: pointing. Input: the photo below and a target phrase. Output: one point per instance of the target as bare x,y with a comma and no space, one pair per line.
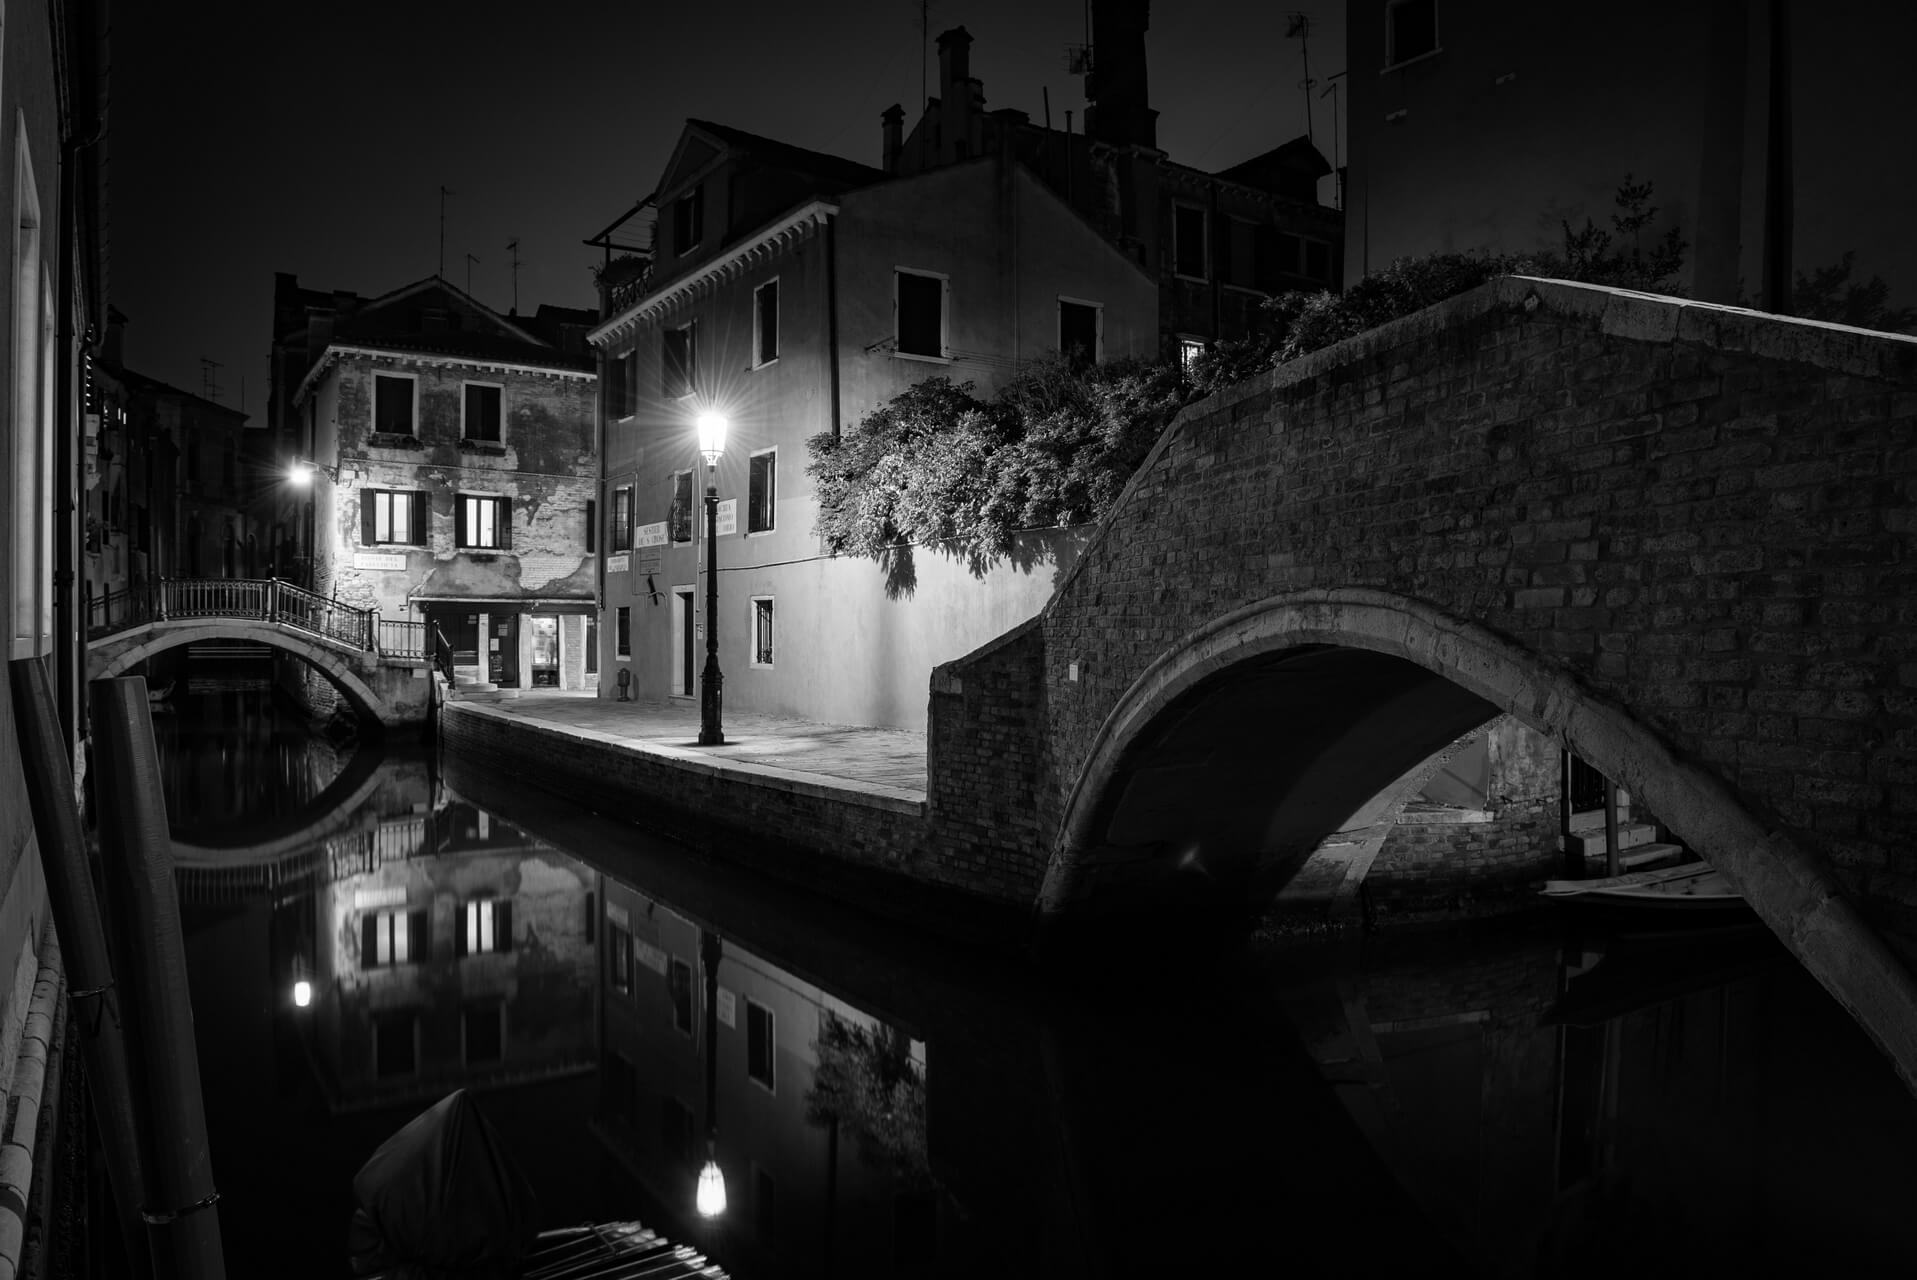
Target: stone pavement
881,761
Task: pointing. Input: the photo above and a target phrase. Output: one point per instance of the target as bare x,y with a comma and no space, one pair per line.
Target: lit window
1080,326
485,924
679,361
622,518
1411,30
759,1043
762,631
389,938
765,323
484,523
1189,349
393,405
482,412
762,483
1190,243
920,306
391,516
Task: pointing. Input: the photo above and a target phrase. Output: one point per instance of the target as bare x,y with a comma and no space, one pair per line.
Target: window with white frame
483,523
761,1045
1411,30
1081,330
761,631
1191,242
762,490
765,323
920,301
679,360
479,412
393,404
485,925
621,532
389,938
389,516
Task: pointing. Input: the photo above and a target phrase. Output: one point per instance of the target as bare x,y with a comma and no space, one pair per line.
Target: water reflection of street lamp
712,1180
302,993
712,443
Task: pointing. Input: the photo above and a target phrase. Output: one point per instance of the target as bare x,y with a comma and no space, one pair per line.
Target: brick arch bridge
1678,538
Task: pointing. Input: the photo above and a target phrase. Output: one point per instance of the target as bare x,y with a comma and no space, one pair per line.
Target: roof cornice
766,241
335,352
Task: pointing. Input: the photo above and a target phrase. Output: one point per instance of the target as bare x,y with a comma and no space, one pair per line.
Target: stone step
1629,836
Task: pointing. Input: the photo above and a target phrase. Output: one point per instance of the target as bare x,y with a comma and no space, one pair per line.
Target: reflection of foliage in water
866,1081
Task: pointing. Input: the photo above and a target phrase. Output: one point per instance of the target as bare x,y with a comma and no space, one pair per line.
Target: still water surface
1536,1098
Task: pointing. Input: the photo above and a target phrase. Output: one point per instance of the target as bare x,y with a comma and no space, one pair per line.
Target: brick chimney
955,94
892,121
1120,112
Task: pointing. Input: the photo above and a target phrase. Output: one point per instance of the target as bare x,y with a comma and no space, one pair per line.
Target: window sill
1179,275
391,440
1389,67
760,533
482,554
486,448
758,666
913,355
765,364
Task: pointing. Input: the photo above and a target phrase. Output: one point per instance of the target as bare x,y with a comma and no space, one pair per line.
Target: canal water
1542,1097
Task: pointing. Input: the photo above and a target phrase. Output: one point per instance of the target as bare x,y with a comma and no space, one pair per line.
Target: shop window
483,1031
395,1044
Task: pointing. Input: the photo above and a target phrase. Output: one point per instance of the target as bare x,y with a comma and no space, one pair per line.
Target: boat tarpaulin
442,1197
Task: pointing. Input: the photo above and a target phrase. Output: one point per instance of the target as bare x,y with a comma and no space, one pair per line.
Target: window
229,471
621,532
480,420
592,669
592,525
485,924
1317,264
762,631
618,1085
759,1043
765,323
31,625
675,1129
393,404
677,362
388,938
1411,30
624,632
484,524
764,1204
679,514
920,306
483,1031
1282,254
388,516
1189,349
1080,331
679,986
622,385
688,220
395,1044
619,958
1190,243
762,490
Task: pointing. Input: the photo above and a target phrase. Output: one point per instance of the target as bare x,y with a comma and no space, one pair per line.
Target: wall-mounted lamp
301,472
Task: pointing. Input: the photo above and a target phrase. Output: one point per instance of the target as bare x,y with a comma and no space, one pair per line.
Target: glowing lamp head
712,1190
300,473
712,436
302,993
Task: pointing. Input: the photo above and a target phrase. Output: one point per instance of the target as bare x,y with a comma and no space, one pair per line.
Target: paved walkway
849,755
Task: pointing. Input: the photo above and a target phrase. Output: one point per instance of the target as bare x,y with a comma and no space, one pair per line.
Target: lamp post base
711,699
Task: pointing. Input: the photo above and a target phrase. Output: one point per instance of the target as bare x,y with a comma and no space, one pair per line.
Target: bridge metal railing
401,638
264,599
118,610
443,654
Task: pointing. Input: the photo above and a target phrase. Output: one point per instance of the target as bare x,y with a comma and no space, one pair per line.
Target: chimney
1120,112
892,120
955,93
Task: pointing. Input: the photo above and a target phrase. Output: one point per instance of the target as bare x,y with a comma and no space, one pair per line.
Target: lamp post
711,1197
712,443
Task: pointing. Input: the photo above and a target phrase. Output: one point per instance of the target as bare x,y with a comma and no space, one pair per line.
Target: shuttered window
388,938
483,524
485,924
392,516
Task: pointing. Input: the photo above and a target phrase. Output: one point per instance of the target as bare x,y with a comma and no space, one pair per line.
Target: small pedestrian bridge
377,664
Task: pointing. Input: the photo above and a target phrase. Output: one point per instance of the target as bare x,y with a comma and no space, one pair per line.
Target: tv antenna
512,247
1298,26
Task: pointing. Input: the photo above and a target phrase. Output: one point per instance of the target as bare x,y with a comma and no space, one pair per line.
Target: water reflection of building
817,1183
452,950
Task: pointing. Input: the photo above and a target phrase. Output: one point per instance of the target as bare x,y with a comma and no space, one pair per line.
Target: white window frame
465,428
778,323
412,416
772,507
1098,325
752,632
1204,223
1392,61
616,529
418,538
945,315
467,495
392,933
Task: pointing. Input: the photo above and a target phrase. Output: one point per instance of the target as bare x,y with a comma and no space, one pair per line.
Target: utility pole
512,247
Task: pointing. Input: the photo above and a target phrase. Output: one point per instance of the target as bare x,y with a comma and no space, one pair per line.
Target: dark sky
249,138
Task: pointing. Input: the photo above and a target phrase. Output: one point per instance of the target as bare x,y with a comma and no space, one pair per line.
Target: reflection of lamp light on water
302,993
711,1197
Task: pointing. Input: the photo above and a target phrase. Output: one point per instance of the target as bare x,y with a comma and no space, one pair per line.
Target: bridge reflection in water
1523,1100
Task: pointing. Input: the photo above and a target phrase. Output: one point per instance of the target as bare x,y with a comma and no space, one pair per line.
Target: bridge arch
119,654
1354,635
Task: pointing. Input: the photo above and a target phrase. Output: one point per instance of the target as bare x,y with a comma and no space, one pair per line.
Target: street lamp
711,1197
712,443
301,472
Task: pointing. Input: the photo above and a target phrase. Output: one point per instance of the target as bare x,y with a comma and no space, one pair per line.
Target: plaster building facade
1217,243
794,292
454,454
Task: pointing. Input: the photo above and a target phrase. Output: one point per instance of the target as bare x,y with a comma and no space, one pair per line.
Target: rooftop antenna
441,271
470,259
1298,25
512,247
1337,161
209,384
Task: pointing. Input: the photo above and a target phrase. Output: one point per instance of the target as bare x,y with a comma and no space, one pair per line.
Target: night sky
250,138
